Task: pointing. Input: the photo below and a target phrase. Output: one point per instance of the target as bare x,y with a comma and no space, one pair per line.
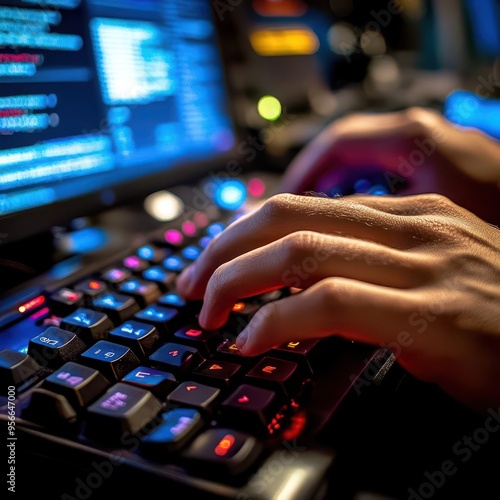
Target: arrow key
160,383
222,374
194,395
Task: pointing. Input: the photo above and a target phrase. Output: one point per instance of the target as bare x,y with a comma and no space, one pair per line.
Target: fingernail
184,279
241,340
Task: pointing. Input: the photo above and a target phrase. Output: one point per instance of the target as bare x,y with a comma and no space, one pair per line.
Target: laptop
119,161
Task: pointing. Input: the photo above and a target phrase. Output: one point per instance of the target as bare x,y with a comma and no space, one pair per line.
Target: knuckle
332,292
297,245
277,205
220,278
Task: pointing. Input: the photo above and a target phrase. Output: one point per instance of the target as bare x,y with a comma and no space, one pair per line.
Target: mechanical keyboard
112,371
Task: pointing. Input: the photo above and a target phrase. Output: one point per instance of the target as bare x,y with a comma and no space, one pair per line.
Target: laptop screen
95,93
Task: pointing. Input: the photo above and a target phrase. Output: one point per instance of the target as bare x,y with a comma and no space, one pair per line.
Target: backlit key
176,358
88,324
194,395
117,306
160,383
142,338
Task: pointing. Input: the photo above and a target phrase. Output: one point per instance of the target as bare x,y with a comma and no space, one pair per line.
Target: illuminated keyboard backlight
225,444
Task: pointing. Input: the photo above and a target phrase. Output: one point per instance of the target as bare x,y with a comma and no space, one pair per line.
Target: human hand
415,272
416,151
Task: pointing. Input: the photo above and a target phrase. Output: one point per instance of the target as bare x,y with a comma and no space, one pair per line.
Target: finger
354,310
285,214
301,259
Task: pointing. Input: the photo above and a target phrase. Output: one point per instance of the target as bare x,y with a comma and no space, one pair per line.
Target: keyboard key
65,301
135,264
113,360
55,346
306,353
174,263
215,229
222,453
142,338
228,351
204,340
190,253
164,279
176,429
91,288
163,318
152,253
79,384
122,411
160,383
118,307
116,275
172,300
221,374
176,358
51,410
195,395
276,374
250,407
144,292
88,324
17,369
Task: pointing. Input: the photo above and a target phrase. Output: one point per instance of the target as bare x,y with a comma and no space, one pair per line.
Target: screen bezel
30,222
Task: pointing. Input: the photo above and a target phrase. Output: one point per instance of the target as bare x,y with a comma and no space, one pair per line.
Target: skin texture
417,273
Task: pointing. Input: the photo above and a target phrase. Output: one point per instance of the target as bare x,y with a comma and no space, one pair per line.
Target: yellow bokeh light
269,108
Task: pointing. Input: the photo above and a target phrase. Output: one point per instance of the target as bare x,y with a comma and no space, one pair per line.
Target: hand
417,150
415,272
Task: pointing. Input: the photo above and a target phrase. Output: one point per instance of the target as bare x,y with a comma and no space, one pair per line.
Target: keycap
65,301
176,429
215,229
204,340
88,324
174,263
144,292
141,337
307,353
135,264
159,382
55,346
91,287
123,410
223,374
250,407
50,409
163,318
176,358
276,374
172,299
116,275
194,395
190,253
113,360
228,351
222,453
163,278
152,253
17,369
119,307
79,384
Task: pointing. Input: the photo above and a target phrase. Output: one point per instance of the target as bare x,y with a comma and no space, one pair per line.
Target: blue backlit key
174,263
144,292
117,306
161,317
88,324
159,275
55,346
152,253
142,338
191,253
159,382
113,360
214,229
172,299
176,429
176,358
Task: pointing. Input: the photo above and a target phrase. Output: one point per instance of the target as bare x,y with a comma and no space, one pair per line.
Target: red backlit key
65,301
194,395
176,358
205,341
222,374
222,452
276,374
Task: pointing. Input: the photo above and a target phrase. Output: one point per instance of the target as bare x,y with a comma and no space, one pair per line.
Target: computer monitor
101,100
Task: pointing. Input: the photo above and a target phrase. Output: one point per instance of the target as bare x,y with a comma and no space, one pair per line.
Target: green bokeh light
269,108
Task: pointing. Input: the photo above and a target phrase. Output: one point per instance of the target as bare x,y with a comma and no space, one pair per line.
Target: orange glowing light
284,41
225,444
94,285
239,306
